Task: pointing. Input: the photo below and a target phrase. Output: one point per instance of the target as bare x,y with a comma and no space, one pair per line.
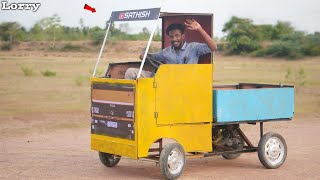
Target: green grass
70,91
27,71
48,73
81,80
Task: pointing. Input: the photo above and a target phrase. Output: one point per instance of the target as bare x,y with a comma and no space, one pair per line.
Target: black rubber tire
165,153
234,155
231,156
261,150
109,160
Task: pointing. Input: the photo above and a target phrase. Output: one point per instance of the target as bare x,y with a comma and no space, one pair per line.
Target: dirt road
66,154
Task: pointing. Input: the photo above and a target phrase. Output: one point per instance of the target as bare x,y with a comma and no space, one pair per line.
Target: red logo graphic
121,16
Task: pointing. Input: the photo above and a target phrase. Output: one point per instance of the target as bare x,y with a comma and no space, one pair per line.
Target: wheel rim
175,161
274,151
111,158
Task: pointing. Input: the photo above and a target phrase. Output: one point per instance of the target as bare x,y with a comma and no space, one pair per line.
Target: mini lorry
179,113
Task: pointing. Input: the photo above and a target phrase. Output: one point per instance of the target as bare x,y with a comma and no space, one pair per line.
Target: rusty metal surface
230,152
118,70
244,137
261,129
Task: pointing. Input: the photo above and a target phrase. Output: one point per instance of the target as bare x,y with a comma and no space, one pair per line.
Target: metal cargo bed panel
252,102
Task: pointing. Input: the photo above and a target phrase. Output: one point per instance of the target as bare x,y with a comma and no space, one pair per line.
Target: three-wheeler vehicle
179,113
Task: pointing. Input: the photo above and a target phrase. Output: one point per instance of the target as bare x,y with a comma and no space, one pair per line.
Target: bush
97,37
70,47
311,46
281,49
27,71
6,46
48,73
53,48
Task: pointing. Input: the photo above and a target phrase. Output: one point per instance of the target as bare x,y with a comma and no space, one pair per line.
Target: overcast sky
303,14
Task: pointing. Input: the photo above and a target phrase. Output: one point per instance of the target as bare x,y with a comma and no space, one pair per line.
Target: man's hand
192,24
141,55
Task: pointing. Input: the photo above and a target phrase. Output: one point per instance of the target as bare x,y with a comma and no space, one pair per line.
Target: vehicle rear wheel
109,160
235,143
172,161
272,150
231,156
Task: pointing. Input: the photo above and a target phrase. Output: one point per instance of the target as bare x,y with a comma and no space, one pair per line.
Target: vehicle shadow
198,167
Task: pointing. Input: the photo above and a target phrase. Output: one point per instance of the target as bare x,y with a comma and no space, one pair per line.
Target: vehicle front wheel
172,161
109,160
272,150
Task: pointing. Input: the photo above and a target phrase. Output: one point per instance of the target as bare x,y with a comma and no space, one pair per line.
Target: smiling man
180,51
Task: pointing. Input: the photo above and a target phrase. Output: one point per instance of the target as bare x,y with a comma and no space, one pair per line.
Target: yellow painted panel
193,137
184,93
113,145
108,144
112,81
183,100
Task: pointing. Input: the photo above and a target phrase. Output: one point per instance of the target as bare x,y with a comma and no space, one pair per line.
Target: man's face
176,38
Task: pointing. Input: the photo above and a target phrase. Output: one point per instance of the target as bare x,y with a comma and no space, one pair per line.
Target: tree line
50,29
243,37
279,40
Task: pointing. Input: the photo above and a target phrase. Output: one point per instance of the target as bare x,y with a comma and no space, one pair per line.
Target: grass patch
298,77
48,73
81,80
27,71
99,72
70,47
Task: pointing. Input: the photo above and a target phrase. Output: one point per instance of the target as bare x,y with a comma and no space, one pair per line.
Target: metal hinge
154,84
156,115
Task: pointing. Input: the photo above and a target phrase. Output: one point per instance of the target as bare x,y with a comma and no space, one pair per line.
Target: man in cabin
180,52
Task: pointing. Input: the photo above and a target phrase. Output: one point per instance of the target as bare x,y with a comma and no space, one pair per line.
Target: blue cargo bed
247,102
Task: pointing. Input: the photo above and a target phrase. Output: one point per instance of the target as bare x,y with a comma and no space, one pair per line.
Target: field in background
36,101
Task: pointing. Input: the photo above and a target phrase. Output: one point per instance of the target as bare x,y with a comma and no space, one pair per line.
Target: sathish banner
135,15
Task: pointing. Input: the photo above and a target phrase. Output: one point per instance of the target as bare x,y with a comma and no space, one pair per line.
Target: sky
303,15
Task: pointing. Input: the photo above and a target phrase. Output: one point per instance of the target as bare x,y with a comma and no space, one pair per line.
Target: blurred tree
311,47
144,34
157,35
81,23
265,32
282,28
36,32
97,35
145,30
12,32
242,36
124,27
52,28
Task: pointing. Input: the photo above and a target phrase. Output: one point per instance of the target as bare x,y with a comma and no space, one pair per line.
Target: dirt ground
65,154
